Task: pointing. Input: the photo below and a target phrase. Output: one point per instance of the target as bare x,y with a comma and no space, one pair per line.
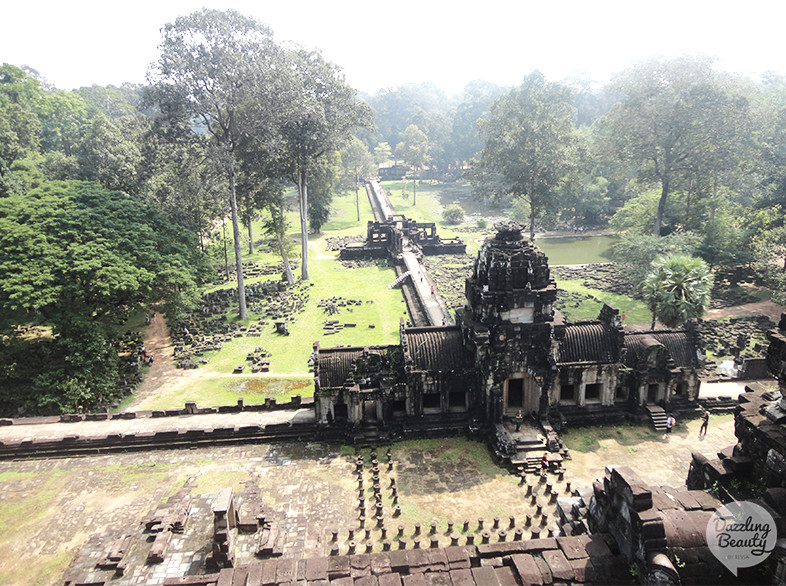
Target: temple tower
509,322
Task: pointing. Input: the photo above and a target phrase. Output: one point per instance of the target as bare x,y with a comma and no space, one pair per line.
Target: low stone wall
74,444
362,251
575,560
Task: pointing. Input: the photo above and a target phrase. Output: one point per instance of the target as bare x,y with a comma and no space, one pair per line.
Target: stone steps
657,416
399,279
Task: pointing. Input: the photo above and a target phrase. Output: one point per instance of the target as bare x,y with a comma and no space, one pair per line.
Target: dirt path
768,308
163,373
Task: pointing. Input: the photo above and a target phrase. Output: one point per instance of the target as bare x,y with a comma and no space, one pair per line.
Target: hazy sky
384,44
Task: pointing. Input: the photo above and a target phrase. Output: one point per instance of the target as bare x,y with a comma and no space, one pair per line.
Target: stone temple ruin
509,351
391,236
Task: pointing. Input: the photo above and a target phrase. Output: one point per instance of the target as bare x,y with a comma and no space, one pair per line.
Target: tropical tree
207,64
382,153
78,258
357,163
317,114
414,151
677,118
677,288
465,141
530,142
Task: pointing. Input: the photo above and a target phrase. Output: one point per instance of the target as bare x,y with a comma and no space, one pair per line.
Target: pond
576,250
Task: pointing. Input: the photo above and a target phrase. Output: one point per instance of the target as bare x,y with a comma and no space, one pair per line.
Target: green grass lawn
636,312
381,307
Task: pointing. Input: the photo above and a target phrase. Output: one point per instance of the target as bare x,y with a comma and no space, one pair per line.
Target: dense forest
109,195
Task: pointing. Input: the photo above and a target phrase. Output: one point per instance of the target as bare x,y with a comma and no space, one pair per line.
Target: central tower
509,323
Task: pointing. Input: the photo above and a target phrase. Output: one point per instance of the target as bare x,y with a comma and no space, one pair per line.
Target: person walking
670,422
705,421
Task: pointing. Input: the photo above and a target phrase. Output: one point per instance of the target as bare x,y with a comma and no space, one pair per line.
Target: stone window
457,400
592,392
621,394
567,393
431,402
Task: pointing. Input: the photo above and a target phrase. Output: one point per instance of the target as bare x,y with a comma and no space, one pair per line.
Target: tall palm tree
677,288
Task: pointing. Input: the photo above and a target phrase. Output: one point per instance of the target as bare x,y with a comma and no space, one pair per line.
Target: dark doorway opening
340,411
369,410
399,407
515,393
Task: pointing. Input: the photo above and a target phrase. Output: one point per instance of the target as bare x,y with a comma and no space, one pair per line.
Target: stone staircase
399,279
658,417
529,446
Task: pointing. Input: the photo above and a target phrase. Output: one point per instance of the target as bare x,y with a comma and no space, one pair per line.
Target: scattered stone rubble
207,329
336,243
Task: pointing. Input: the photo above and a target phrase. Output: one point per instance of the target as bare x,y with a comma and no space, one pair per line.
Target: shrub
453,214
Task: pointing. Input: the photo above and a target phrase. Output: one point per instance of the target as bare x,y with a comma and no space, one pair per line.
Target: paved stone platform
55,430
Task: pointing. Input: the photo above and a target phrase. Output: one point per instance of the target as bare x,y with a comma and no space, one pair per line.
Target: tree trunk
414,191
531,222
357,196
664,193
241,290
302,187
250,237
652,327
282,250
226,253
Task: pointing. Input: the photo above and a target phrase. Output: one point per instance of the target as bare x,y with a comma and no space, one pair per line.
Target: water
576,250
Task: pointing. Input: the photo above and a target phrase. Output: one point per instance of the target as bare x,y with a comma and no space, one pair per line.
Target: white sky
385,44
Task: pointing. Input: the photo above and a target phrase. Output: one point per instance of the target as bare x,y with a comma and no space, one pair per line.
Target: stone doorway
521,392
653,393
370,411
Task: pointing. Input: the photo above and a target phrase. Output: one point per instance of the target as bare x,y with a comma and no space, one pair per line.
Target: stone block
558,564
485,575
462,577
505,576
338,567
527,569
389,580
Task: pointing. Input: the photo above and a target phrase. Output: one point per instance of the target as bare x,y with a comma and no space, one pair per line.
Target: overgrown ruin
509,351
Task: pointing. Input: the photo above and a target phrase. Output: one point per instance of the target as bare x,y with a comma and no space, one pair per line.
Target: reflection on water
576,250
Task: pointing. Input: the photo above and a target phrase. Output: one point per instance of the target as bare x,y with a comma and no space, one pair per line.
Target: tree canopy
676,118
78,258
529,142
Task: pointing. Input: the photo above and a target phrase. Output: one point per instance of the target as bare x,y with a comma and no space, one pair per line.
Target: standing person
544,464
519,419
705,421
670,422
